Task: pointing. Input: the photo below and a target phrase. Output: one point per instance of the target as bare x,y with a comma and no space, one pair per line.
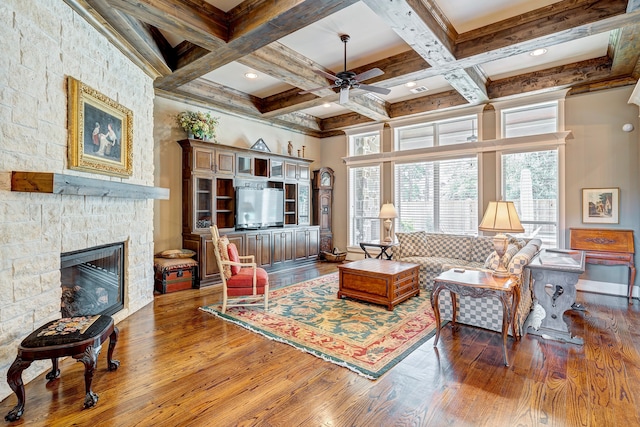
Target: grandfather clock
322,201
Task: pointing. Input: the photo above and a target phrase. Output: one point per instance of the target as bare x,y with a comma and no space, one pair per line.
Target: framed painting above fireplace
100,132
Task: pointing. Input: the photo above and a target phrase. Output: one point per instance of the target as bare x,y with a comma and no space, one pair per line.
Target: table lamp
387,212
501,217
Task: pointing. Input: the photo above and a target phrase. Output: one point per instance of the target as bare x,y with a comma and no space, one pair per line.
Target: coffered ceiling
455,52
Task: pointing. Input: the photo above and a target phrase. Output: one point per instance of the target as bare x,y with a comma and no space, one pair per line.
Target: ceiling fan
346,80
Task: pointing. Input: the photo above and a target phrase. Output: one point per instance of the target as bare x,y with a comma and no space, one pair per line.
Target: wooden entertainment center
210,175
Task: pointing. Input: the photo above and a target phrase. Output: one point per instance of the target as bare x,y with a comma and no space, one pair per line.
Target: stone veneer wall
43,42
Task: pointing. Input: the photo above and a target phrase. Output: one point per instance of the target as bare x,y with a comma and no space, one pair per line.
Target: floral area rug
365,338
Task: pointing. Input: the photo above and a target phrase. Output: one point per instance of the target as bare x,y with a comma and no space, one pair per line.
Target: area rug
366,338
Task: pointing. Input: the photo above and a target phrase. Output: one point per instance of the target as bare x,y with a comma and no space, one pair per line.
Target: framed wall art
601,205
100,132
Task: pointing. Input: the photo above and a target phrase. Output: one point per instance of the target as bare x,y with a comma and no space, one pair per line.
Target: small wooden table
80,338
379,282
478,284
380,244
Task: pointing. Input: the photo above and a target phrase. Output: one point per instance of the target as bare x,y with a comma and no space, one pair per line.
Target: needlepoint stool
79,337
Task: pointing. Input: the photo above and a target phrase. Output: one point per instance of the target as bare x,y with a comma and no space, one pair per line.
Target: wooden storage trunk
173,275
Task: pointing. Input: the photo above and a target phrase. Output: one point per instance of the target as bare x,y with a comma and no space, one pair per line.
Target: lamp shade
501,217
388,211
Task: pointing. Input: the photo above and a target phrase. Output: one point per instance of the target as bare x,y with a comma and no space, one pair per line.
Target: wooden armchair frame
252,297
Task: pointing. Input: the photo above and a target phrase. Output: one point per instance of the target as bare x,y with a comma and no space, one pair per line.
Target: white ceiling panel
232,75
466,15
371,39
578,50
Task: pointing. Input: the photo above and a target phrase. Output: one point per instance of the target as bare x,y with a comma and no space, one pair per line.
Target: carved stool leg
112,365
89,359
55,372
14,379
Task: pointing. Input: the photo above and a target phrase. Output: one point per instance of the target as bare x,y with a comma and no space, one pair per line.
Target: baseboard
607,288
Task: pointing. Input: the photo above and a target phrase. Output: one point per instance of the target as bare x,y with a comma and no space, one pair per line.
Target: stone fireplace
92,281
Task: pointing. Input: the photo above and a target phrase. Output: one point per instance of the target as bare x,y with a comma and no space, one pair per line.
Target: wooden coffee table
478,284
379,281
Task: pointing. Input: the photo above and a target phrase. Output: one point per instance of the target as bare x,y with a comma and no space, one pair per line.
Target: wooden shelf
56,183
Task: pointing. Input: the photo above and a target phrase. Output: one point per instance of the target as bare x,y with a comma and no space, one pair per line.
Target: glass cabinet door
244,165
304,207
277,170
203,199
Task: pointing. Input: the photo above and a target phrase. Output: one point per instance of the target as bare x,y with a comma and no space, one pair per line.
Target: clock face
325,179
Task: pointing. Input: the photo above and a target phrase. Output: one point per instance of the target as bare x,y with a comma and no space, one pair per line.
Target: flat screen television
259,208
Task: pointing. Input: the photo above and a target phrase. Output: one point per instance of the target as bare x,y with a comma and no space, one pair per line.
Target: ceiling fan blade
374,72
376,89
344,95
304,92
325,74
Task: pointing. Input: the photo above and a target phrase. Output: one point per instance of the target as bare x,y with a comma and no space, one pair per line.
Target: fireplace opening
92,281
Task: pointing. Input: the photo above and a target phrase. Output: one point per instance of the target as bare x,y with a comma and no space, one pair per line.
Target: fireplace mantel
56,183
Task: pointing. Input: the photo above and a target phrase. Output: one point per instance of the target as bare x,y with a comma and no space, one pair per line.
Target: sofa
436,252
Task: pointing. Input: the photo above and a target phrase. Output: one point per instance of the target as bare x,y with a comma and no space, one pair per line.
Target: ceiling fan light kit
346,80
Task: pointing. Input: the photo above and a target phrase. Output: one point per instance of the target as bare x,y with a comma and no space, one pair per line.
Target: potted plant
199,124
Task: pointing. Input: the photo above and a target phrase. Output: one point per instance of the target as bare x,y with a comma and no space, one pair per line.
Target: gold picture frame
601,205
100,132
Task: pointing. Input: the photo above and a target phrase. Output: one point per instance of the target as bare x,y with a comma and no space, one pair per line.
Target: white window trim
361,130
519,143
524,101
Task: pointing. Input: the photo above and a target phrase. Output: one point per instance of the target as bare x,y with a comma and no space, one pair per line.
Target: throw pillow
176,253
493,260
522,258
223,243
234,257
412,244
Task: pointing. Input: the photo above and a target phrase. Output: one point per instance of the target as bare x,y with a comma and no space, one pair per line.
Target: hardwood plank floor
183,367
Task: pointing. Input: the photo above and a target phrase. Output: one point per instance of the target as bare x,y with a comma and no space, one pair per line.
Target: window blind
437,196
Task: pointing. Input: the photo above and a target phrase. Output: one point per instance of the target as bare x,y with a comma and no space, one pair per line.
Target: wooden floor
183,367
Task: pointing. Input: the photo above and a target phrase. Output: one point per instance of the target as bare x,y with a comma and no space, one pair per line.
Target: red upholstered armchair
245,282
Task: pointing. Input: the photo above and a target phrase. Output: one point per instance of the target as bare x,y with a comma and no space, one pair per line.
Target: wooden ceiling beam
137,34
563,76
272,25
416,24
424,104
557,23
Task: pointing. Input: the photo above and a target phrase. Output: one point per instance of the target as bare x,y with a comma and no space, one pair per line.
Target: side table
79,337
380,244
555,274
476,284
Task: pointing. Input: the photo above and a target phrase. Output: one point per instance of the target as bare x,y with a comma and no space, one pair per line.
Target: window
530,180
437,196
364,143
530,119
364,204
438,133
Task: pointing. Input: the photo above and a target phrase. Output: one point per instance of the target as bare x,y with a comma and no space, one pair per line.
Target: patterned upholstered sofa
438,252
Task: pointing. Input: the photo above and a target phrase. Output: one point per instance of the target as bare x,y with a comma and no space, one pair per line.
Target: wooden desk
478,284
81,339
607,247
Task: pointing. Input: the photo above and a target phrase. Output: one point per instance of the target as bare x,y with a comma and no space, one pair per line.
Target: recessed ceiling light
538,52
410,84
251,75
326,105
